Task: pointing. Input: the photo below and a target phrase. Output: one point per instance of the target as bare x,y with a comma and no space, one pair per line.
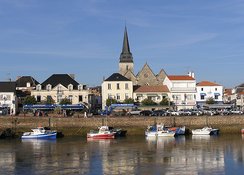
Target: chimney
72,76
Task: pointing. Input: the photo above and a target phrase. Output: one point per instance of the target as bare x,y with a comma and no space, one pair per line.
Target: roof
8,87
207,83
63,79
159,88
23,80
126,55
180,77
228,91
117,77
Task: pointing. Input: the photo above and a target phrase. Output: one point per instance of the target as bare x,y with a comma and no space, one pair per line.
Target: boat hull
242,131
101,136
40,136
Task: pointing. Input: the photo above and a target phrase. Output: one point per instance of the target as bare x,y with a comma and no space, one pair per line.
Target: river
223,154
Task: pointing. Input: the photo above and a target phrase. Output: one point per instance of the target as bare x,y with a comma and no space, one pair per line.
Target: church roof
160,88
180,77
117,77
207,83
126,55
63,79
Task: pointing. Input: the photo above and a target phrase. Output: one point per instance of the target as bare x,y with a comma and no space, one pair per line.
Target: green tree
110,101
210,100
49,101
29,100
164,102
129,101
148,102
65,101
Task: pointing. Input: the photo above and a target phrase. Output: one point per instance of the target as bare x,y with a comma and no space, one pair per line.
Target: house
155,93
8,98
237,96
207,90
116,87
26,83
61,86
182,90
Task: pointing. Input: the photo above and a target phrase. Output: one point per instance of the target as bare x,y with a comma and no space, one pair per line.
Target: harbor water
223,154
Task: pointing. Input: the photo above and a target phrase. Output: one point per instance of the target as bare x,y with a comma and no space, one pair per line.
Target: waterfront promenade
135,125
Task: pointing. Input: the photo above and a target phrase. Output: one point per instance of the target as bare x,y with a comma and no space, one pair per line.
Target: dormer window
48,87
80,87
38,87
70,87
28,84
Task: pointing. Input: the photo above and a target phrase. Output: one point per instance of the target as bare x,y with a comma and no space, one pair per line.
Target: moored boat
40,133
118,131
158,131
102,133
178,130
205,131
242,130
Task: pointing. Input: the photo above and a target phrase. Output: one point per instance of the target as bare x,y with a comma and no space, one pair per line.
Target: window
28,84
80,87
110,96
127,67
38,98
216,97
38,87
216,89
126,86
80,98
118,96
70,87
202,97
109,86
126,96
117,85
70,98
201,89
48,87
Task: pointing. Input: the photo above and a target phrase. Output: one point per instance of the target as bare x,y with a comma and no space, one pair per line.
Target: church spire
126,55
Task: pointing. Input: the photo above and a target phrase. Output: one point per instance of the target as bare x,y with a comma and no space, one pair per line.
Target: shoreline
135,125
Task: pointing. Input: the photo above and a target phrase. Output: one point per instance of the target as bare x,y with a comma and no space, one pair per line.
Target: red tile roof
159,88
180,77
207,83
228,91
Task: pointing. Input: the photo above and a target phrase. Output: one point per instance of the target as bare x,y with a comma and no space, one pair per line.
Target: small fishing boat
242,130
102,133
178,130
158,131
40,133
118,131
205,131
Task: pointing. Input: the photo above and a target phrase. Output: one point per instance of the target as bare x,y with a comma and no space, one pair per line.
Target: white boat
40,133
205,131
158,131
178,130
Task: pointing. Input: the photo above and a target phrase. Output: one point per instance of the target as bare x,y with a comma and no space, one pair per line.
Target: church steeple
126,56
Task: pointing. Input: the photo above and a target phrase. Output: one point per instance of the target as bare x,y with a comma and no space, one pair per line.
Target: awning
216,93
202,93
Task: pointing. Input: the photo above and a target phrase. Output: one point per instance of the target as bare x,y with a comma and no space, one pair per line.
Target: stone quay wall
135,125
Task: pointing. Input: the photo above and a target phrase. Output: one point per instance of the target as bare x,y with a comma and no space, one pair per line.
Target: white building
182,90
116,87
8,98
207,90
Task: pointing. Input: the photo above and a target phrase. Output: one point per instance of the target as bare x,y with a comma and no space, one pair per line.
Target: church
126,68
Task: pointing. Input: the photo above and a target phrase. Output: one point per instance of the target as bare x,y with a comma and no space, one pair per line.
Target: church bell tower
126,60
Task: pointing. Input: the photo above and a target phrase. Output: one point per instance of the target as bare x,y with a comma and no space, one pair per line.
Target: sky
39,38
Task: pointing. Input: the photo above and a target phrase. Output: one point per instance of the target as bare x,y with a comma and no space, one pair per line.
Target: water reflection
132,155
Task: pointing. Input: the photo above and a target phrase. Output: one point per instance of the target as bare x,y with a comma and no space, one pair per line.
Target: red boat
102,133
242,131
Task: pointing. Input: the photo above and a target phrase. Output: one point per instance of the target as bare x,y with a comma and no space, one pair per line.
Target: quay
135,125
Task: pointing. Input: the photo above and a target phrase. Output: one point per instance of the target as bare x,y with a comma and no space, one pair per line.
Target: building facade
209,90
116,87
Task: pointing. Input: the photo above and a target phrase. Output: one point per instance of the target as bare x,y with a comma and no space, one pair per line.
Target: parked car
210,112
146,113
236,112
184,112
134,112
171,112
196,112
159,113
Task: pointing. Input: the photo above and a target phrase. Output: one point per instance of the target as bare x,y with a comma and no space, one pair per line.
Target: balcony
183,89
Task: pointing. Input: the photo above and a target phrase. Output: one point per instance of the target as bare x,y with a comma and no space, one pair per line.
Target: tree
29,100
49,101
129,101
65,101
164,102
148,102
110,101
210,100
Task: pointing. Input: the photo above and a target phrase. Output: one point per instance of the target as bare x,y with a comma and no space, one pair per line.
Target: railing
183,89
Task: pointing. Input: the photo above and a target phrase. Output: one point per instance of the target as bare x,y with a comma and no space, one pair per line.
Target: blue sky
43,37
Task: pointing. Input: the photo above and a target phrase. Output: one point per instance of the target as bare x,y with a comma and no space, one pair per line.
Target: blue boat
40,133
